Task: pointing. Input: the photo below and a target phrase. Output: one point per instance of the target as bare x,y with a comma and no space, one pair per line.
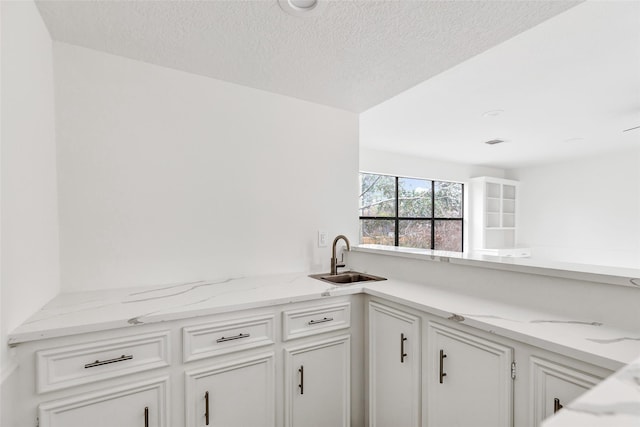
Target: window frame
432,219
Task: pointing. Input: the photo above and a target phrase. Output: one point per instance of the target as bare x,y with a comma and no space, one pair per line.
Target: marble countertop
585,339
623,276
594,342
79,312
613,402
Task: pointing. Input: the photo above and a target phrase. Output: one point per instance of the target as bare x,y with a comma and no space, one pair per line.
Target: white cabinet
394,367
317,383
238,393
553,385
468,380
493,219
260,367
135,405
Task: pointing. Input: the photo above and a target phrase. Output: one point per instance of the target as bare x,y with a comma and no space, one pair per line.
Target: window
410,212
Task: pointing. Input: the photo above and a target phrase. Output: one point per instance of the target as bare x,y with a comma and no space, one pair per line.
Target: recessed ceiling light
492,113
302,8
303,4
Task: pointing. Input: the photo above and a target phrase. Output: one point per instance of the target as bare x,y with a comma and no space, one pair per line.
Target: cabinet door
394,367
240,393
136,405
555,385
469,380
317,384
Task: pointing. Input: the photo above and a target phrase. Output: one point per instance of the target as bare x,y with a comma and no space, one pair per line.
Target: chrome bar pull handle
235,337
442,373
556,405
324,319
402,353
206,408
106,362
146,416
301,385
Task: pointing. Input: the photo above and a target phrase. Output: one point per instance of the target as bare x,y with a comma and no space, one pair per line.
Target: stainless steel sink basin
346,278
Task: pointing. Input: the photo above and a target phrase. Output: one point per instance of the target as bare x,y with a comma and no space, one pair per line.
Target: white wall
30,262
166,176
585,210
419,167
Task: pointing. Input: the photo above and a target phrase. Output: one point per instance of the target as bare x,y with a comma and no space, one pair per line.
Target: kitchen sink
346,278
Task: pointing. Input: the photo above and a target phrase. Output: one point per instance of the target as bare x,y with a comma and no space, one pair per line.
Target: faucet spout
334,258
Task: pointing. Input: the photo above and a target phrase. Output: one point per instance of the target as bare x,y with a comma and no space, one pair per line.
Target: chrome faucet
334,259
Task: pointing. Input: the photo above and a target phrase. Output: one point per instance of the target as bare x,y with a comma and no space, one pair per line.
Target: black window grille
411,212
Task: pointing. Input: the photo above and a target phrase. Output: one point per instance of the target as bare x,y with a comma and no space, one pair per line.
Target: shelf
509,221
493,205
493,190
508,191
497,208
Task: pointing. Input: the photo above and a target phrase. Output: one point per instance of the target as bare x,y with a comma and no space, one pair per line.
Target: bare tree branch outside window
411,212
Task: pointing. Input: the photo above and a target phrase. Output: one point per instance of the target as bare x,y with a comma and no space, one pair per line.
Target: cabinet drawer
315,320
133,405
226,336
89,362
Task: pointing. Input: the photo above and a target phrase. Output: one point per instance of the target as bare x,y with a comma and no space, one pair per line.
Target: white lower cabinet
238,393
468,380
317,383
293,366
394,367
235,370
553,385
136,405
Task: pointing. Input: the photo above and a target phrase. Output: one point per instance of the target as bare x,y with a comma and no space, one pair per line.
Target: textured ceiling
354,55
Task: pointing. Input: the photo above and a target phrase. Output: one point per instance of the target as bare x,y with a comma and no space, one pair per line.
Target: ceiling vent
494,141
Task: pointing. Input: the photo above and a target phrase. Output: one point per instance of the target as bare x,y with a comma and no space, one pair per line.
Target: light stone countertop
594,342
613,402
623,276
80,312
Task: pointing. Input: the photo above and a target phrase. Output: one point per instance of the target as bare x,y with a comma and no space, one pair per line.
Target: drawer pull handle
206,407
301,385
324,319
402,353
235,337
146,416
442,373
556,405
106,362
